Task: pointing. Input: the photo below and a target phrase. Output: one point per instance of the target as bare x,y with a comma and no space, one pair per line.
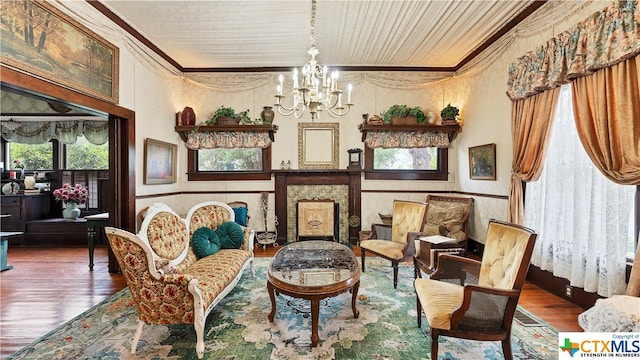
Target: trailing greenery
450,112
402,111
224,111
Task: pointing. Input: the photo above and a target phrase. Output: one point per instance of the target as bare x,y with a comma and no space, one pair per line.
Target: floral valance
67,131
406,139
227,139
603,39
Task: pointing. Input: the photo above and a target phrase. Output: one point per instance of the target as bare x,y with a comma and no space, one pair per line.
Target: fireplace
341,186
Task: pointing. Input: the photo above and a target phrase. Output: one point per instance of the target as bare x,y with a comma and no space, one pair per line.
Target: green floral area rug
238,328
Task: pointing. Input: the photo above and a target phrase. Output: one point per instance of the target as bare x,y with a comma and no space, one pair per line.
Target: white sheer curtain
582,218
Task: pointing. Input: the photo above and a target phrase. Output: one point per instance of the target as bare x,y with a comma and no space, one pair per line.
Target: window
583,220
80,156
84,155
406,163
33,156
405,159
229,160
229,164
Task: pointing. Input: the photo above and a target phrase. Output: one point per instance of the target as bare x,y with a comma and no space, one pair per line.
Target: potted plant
449,115
403,115
228,116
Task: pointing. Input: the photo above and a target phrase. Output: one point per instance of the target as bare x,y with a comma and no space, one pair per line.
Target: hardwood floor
49,286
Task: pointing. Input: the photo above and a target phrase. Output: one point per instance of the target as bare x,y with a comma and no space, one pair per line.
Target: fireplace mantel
349,177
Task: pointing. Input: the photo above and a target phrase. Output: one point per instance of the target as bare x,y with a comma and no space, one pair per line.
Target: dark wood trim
128,28
339,68
121,144
505,29
283,178
557,286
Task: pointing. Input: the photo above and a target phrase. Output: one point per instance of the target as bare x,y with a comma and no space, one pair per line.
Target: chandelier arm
317,91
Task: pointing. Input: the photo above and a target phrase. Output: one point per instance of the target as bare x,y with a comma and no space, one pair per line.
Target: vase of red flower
71,212
72,196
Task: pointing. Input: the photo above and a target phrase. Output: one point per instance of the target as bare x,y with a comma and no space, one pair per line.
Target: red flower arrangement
75,194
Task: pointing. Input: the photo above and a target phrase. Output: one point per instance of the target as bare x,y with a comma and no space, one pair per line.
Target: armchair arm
485,308
452,267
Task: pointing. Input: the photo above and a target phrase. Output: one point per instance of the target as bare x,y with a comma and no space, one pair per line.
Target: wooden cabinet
17,210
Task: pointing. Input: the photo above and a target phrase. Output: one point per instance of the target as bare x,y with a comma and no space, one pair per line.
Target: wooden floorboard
49,286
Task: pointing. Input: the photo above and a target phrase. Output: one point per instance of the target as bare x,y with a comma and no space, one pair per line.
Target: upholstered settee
169,283
447,216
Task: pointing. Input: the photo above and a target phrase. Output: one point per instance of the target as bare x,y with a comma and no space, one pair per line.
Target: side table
93,222
4,246
426,258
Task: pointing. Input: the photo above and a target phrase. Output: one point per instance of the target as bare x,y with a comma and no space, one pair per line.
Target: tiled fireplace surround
342,186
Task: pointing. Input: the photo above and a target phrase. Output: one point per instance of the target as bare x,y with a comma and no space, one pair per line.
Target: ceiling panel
276,33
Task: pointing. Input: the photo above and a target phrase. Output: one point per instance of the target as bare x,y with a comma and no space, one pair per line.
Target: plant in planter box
449,113
228,116
401,112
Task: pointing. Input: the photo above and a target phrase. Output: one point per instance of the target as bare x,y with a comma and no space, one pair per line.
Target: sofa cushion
231,235
205,242
241,215
437,215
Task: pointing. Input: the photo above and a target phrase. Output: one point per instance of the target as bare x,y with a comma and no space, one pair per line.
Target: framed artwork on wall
482,162
159,162
318,145
45,42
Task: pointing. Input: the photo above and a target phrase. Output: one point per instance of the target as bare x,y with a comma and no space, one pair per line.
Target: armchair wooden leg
434,344
362,258
395,273
506,348
419,311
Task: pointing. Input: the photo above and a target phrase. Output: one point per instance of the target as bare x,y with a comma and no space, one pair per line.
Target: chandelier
317,90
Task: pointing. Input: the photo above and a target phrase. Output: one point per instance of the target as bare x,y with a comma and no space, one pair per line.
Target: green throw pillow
231,235
205,242
241,215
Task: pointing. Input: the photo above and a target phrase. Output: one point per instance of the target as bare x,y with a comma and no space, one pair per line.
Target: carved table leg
272,295
315,312
354,296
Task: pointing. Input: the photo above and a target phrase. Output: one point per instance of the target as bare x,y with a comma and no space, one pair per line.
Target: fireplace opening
317,219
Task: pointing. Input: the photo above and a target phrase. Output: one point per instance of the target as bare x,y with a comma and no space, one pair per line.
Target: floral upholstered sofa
169,283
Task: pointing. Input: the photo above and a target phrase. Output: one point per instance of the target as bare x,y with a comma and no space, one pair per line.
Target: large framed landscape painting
40,40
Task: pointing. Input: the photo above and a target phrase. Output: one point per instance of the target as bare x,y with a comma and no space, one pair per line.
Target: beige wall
156,94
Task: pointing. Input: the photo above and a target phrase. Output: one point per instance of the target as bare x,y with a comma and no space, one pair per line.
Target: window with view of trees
405,159
229,164
242,159
429,163
80,156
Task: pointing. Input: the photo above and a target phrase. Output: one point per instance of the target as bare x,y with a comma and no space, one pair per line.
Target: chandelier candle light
318,90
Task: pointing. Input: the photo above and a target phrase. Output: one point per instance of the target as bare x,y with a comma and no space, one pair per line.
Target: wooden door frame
122,144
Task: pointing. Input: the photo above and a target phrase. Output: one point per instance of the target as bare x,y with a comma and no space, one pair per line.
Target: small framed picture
482,162
159,162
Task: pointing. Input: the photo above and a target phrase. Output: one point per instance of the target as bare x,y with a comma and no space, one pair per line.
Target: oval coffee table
313,270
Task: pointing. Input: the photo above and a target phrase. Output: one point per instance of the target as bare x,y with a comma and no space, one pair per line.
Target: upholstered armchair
408,219
448,216
472,299
618,313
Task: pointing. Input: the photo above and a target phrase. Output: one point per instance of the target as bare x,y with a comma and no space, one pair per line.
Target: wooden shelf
184,130
451,130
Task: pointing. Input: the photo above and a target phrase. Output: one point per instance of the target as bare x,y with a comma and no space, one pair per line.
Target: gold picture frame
482,162
318,145
159,162
61,50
